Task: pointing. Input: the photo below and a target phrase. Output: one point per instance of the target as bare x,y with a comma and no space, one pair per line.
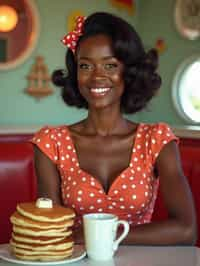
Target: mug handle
126,228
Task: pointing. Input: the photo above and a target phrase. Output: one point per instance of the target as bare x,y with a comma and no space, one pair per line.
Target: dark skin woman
111,74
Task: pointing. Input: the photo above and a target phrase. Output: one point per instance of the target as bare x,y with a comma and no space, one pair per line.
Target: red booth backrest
190,157
18,180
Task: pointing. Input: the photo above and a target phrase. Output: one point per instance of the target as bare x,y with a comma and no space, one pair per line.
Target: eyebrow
90,58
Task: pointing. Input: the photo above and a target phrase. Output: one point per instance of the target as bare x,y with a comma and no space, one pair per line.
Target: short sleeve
45,139
161,135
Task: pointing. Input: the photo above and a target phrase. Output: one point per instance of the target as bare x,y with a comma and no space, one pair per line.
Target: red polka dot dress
132,194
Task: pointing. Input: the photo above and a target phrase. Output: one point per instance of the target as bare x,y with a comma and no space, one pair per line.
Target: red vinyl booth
18,180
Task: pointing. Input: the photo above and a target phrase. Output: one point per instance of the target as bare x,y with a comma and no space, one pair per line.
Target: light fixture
8,18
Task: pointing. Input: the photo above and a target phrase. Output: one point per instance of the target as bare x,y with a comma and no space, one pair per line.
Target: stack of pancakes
42,234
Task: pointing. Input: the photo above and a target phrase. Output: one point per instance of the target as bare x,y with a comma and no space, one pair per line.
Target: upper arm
174,186
48,176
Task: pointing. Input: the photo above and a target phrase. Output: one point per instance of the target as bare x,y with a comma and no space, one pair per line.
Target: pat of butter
44,203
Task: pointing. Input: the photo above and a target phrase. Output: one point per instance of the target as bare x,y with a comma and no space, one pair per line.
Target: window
186,90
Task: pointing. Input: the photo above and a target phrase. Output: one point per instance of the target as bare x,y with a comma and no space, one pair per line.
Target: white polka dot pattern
132,197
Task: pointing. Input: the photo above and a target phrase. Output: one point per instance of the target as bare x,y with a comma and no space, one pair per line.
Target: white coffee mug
100,230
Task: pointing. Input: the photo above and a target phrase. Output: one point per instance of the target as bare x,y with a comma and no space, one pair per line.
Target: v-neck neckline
135,138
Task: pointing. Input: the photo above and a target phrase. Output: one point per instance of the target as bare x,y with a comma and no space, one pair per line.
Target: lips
100,91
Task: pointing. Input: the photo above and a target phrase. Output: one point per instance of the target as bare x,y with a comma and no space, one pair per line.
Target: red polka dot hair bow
70,40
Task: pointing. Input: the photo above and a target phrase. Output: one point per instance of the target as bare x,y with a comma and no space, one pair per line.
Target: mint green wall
17,108
153,19
156,20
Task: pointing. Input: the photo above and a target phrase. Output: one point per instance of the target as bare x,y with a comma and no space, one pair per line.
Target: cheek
118,80
82,79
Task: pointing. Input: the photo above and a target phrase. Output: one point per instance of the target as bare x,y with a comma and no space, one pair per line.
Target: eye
110,66
84,66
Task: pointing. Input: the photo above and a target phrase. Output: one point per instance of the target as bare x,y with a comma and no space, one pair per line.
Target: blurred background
154,21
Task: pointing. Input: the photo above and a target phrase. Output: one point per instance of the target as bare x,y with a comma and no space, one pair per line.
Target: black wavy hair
140,77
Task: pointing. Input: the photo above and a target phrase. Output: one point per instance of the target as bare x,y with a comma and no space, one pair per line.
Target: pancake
43,252
64,244
53,215
43,257
41,231
21,220
36,239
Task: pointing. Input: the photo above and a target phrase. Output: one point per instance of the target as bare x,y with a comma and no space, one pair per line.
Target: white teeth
100,90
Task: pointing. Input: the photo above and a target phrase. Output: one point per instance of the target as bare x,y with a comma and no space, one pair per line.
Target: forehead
95,47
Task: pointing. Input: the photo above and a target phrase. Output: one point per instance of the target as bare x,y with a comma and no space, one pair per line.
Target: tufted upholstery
18,180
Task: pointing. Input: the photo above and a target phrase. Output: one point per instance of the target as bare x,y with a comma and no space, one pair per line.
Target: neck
105,122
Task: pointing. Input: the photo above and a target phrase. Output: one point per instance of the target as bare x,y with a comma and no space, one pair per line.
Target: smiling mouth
99,91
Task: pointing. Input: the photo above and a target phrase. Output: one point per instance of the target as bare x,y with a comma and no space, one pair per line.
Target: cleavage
107,163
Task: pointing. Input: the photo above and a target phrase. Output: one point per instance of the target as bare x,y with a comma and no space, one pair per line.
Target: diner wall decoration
71,19
8,18
128,5
160,45
187,18
17,41
38,80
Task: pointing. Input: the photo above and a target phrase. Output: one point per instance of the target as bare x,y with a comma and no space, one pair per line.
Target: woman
106,163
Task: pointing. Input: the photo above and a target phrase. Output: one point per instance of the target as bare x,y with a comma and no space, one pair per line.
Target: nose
98,73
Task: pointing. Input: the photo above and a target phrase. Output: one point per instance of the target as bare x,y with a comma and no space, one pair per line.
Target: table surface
142,256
